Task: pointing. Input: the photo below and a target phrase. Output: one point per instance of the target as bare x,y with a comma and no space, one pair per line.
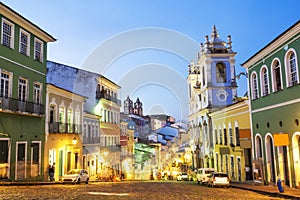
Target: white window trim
10,81
274,87
42,50
287,67
28,42
252,86
262,81
12,42
40,96
26,89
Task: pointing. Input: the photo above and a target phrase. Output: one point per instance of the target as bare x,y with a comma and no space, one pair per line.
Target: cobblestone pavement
127,190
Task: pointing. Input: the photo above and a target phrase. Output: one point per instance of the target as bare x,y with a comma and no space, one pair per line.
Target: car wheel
78,181
198,182
87,181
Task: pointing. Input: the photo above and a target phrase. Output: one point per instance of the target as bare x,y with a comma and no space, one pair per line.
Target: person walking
51,172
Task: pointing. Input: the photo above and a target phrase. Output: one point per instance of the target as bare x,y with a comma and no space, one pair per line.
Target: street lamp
74,141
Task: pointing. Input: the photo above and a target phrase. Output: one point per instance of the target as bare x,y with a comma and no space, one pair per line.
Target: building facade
212,86
102,101
63,134
274,95
232,141
23,55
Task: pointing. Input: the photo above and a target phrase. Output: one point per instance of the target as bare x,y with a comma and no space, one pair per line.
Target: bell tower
212,86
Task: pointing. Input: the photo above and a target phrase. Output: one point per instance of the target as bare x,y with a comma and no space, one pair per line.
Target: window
24,43
7,34
22,89
70,116
237,136
5,84
232,166
37,92
292,72
52,114
220,134
61,115
35,153
221,72
216,135
254,88
264,81
276,76
225,136
38,50
4,151
230,136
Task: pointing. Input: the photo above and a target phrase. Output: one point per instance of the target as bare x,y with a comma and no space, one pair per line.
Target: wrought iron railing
15,105
57,127
100,95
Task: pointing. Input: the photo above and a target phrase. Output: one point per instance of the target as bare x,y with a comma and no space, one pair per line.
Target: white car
183,176
218,179
75,176
203,173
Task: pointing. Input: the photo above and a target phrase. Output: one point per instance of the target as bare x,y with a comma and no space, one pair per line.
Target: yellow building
231,138
63,142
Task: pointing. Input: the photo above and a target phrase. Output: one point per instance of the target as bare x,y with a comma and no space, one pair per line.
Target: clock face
222,95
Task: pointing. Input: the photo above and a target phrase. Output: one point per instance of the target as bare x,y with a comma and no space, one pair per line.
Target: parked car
218,179
75,176
183,176
203,173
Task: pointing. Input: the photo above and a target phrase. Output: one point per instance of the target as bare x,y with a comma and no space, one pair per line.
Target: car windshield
73,171
220,175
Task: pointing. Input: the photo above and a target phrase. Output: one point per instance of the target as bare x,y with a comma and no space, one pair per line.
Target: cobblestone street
127,190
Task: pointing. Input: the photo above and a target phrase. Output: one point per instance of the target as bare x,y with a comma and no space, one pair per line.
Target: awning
281,139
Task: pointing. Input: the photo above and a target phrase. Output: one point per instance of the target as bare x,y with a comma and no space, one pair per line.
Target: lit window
38,50
24,42
7,34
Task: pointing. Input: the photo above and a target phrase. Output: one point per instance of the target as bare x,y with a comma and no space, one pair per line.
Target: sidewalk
271,190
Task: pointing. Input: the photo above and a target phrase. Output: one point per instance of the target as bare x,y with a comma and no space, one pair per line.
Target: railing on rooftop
100,95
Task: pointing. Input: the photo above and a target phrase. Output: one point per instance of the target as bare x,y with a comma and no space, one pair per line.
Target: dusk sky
146,46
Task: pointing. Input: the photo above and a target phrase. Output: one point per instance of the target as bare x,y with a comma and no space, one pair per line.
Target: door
60,163
21,161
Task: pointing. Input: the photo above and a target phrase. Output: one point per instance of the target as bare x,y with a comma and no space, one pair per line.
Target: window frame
12,34
27,53
274,68
264,81
221,78
37,99
21,90
41,56
289,80
254,86
10,76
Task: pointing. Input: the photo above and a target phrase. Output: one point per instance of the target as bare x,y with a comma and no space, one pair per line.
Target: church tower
212,86
128,106
138,107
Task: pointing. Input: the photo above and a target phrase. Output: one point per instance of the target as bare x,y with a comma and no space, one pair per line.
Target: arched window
264,81
291,69
258,147
276,74
254,87
221,72
203,76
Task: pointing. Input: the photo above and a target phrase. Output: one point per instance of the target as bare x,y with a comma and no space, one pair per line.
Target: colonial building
64,119
274,95
232,141
23,55
102,100
212,86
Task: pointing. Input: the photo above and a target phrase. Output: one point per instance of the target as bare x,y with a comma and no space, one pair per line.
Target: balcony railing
57,127
101,95
15,105
91,140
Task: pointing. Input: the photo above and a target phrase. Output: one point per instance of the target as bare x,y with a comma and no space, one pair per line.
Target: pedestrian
247,169
51,172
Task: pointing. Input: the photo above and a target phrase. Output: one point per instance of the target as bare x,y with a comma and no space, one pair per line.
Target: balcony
101,95
57,127
112,148
91,140
15,105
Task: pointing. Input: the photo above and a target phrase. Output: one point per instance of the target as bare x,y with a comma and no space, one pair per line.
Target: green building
23,56
274,92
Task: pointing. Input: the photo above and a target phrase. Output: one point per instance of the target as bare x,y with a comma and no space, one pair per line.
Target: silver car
75,176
